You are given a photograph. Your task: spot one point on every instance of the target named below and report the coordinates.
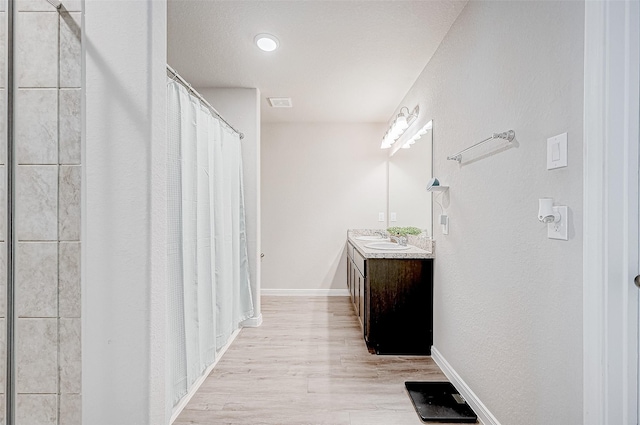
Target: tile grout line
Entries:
(59, 371)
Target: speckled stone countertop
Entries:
(421, 247)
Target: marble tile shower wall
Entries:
(48, 154)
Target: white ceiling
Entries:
(339, 61)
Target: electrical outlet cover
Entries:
(444, 221)
(560, 230)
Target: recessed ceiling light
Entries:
(266, 42)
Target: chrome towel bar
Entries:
(507, 135)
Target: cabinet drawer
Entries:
(359, 262)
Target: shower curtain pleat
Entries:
(234, 296)
(208, 268)
(188, 135)
(206, 258)
(175, 303)
(244, 297)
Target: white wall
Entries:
(124, 213)
(241, 108)
(507, 300)
(318, 180)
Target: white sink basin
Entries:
(371, 238)
(386, 246)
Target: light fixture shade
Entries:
(385, 142)
(401, 122)
(394, 132)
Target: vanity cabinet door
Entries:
(354, 287)
(351, 282)
(361, 299)
(358, 281)
(358, 284)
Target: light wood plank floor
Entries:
(307, 365)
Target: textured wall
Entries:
(318, 180)
(125, 214)
(508, 301)
(47, 138)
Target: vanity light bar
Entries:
(399, 125)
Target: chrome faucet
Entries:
(400, 240)
(382, 234)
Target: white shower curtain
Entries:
(209, 294)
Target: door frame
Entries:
(610, 229)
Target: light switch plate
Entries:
(557, 151)
(380, 216)
(560, 229)
(393, 217)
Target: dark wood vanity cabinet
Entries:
(393, 298)
(399, 312)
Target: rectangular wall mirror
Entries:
(409, 171)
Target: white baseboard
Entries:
(305, 292)
(196, 385)
(252, 322)
(484, 415)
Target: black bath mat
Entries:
(439, 402)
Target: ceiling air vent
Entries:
(280, 102)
